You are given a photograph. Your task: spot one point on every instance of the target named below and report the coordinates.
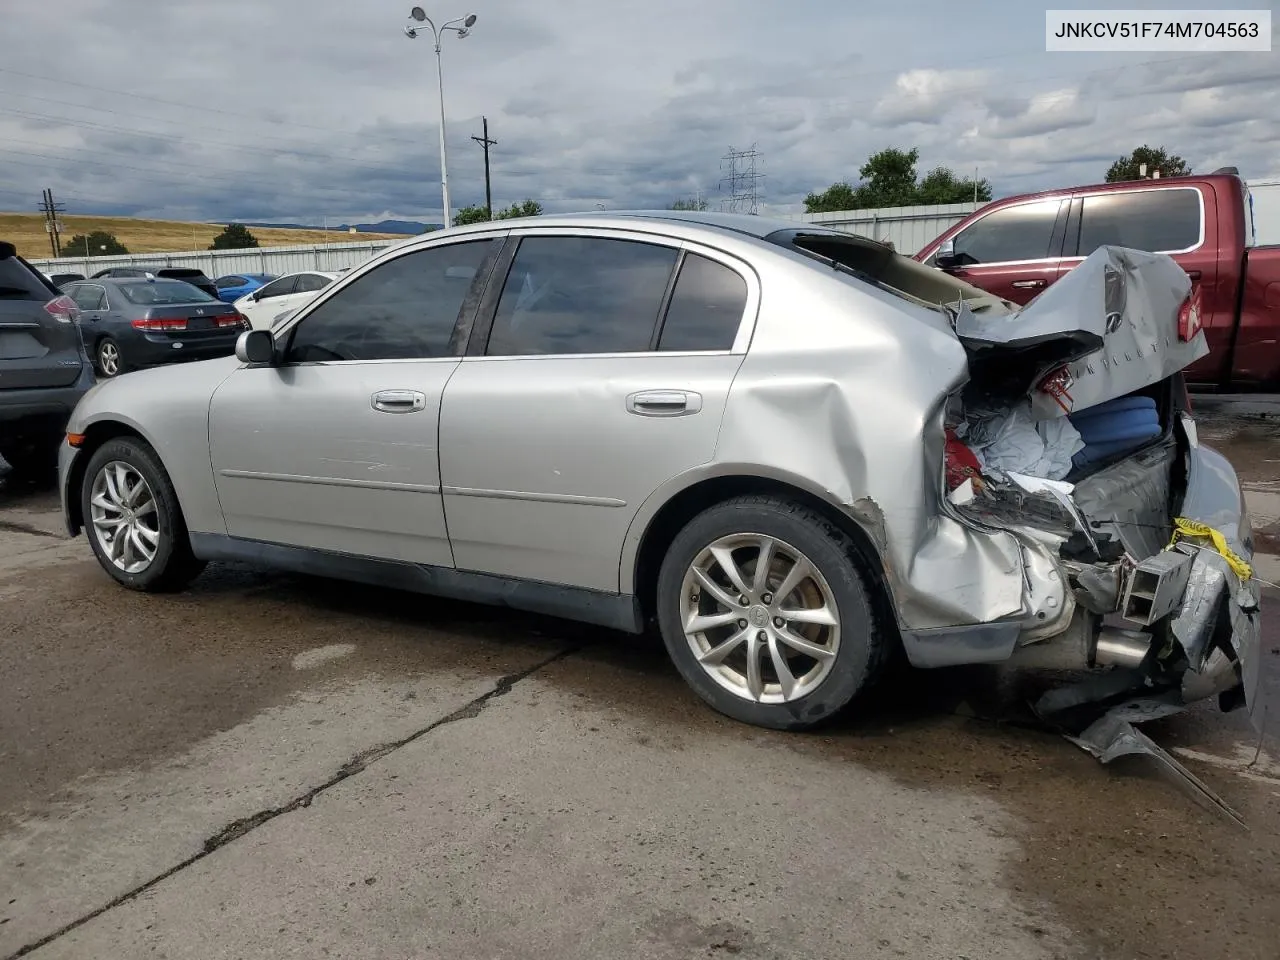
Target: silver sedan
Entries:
(761, 437)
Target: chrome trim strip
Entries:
(331, 481)
(571, 498)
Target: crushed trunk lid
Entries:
(1120, 321)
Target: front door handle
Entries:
(399, 401)
(1193, 274)
(1029, 284)
(664, 403)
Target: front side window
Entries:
(277, 288)
(403, 309)
(1157, 221)
(1024, 232)
(575, 295)
(706, 307)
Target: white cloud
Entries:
(1043, 114)
(927, 95)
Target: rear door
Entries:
(1164, 219)
(604, 373)
(37, 348)
(1013, 251)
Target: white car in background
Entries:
(284, 295)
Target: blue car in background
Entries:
(235, 285)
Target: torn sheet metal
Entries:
(1113, 320)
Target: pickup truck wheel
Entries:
(766, 613)
(133, 519)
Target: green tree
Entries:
(526, 208)
(838, 196)
(235, 236)
(691, 203)
(888, 179)
(1156, 158)
(940, 185)
(96, 244)
(472, 214)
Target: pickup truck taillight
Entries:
(63, 309)
(164, 323)
(1189, 316)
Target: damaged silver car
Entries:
(792, 449)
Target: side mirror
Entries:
(256, 346)
(256, 295)
(945, 256)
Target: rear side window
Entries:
(404, 309)
(575, 295)
(90, 297)
(224, 283)
(1158, 221)
(311, 281)
(19, 282)
(706, 307)
(1024, 232)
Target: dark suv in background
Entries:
(44, 370)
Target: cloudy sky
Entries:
(301, 109)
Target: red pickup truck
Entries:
(1017, 246)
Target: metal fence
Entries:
(220, 263)
(908, 228)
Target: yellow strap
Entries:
(1182, 527)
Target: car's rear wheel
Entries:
(133, 519)
(765, 611)
(108, 359)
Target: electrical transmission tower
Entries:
(742, 181)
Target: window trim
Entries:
(284, 335)
(497, 280)
(1082, 196)
(1053, 233)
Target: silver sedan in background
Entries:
(740, 431)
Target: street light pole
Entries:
(419, 15)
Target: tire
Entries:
(153, 514)
(32, 458)
(108, 360)
(854, 652)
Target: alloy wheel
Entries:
(124, 516)
(760, 618)
(109, 359)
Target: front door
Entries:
(335, 446)
(1012, 251)
(599, 380)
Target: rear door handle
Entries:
(664, 403)
(1029, 284)
(399, 401)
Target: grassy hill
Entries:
(26, 232)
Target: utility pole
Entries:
(51, 223)
(486, 143)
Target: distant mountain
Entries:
(408, 227)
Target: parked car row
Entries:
(773, 443)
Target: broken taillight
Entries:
(1057, 384)
(1189, 317)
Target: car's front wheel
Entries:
(133, 519)
(766, 613)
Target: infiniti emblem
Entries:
(758, 616)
